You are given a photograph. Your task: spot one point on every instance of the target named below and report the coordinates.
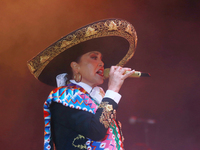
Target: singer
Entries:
(78, 114)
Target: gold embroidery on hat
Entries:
(105, 28)
(112, 26)
(43, 58)
(90, 31)
(65, 43)
(31, 67)
(129, 29)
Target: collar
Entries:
(97, 93)
(83, 85)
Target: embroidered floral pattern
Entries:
(107, 115)
(79, 137)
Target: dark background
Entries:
(168, 48)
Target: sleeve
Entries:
(113, 95)
(93, 126)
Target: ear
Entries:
(75, 67)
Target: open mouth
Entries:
(100, 72)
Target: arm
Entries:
(93, 126)
(90, 125)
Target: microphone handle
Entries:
(136, 74)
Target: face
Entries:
(90, 67)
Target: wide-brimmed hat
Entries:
(116, 39)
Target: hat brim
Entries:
(116, 39)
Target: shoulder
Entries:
(71, 96)
(59, 89)
(70, 89)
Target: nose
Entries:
(101, 64)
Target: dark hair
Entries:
(70, 74)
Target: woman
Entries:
(79, 115)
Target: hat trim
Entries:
(110, 27)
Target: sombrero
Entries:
(116, 39)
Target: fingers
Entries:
(124, 72)
(117, 76)
(128, 73)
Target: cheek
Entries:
(88, 70)
(90, 66)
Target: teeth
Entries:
(99, 71)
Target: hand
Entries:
(117, 76)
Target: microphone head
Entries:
(145, 74)
(106, 73)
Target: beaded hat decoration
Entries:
(116, 39)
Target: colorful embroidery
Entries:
(79, 146)
(76, 97)
(107, 114)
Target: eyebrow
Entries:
(97, 53)
(94, 52)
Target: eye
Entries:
(94, 57)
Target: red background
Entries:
(168, 48)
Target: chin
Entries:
(101, 82)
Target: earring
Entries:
(77, 77)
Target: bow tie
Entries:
(97, 94)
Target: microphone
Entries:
(133, 120)
(136, 74)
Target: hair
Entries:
(70, 74)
